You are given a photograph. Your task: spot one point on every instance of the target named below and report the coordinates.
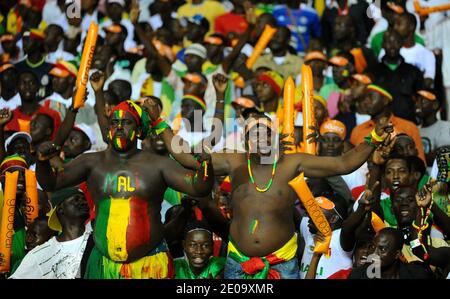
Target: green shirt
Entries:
(183, 271)
(376, 44)
(327, 89)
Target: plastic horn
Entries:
(288, 105)
(85, 65)
(32, 203)
(314, 211)
(262, 43)
(7, 225)
(308, 109)
(423, 11)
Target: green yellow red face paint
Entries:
(121, 142)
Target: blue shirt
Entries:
(304, 22)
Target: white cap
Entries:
(120, 2)
(247, 50)
(88, 131)
(196, 49)
(16, 136)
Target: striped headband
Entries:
(273, 79)
(13, 161)
(140, 116)
(378, 89)
(196, 99)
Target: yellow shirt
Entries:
(209, 9)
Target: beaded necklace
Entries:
(252, 179)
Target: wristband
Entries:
(376, 137)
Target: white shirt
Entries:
(12, 104)
(59, 54)
(435, 136)
(338, 260)
(356, 178)
(54, 259)
(420, 57)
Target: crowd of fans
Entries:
(161, 173)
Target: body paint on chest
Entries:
(120, 183)
(253, 226)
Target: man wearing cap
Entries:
(64, 75)
(331, 143)
(435, 132)
(60, 257)
(262, 238)
(377, 102)
(9, 97)
(267, 88)
(279, 59)
(34, 61)
(191, 130)
(11, 52)
(115, 11)
(342, 69)
(337, 263)
(127, 186)
(209, 9)
(390, 10)
(318, 63)
(197, 28)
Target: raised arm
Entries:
(315, 166)
(66, 126)
(71, 174)
(163, 64)
(196, 184)
(220, 85)
(185, 158)
(97, 82)
(351, 224)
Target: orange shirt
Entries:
(400, 126)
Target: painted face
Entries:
(198, 247)
(331, 145)
(38, 233)
(404, 206)
(396, 173)
(122, 131)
